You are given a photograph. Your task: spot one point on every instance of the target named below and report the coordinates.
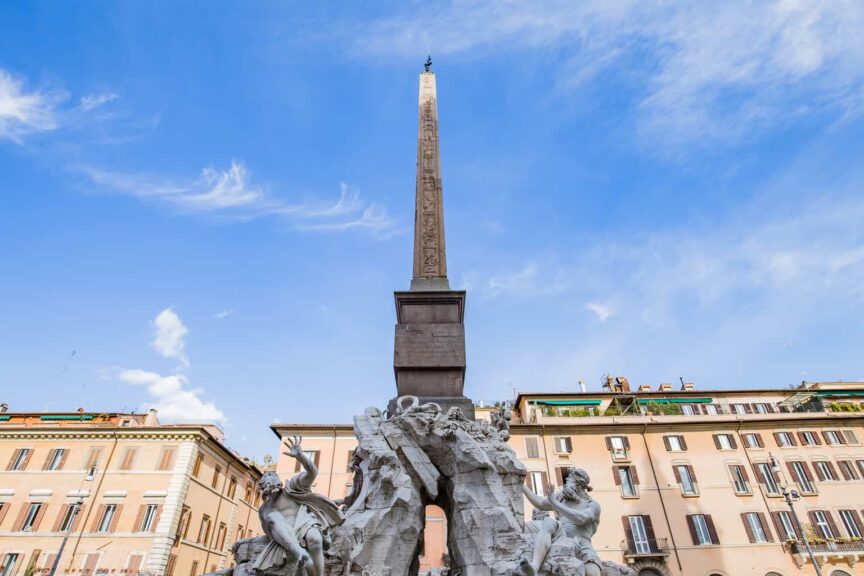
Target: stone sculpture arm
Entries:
(537, 501)
(306, 476)
(578, 517)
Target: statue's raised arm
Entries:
(309, 472)
(539, 502)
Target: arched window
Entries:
(840, 573)
(773, 574)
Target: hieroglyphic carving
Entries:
(429, 255)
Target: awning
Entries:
(66, 417)
(796, 399)
(5, 418)
(840, 393)
(567, 402)
(674, 400)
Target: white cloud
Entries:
(169, 336)
(230, 194)
(707, 69)
(601, 311)
(93, 101)
(223, 313)
(173, 398)
(24, 112)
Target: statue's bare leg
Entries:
(284, 535)
(315, 547)
(542, 544)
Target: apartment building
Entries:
(133, 496)
(691, 482)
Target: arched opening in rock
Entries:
(433, 547)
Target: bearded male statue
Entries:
(296, 521)
(578, 515)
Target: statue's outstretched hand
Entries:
(294, 448)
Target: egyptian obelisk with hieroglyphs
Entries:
(429, 355)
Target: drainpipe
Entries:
(662, 502)
(332, 462)
(216, 518)
(752, 469)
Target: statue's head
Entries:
(578, 482)
(270, 483)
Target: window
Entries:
(128, 460)
(19, 460)
(823, 524)
(757, 530)
(784, 439)
(710, 409)
(685, 478)
(832, 437)
(531, 448)
(619, 446)
(785, 526)
(247, 493)
(825, 471)
(753, 441)
(232, 487)
(626, 477)
(107, 520)
(149, 512)
(767, 478)
(847, 470)
(172, 564)
(134, 563)
(638, 534)
(166, 459)
(194, 570)
(217, 470)
(56, 459)
(851, 523)
(860, 464)
(204, 530)
(240, 530)
(183, 525)
(30, 522)
(199, 460)
(740, 408)
(7, 567)
(67, 518)
(801, 475)
(675, 443)
(537, 482)
(724, 442)
(313, 455)
(563, 444)
(94, 457)
(220, 536)
(809, 439)
(849, 436)
(702, 529)
(762, 408)
(740, 480)
(687, 410)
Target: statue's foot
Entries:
(526, 568)
(303, 561)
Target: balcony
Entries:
(650, 548)
(829, 551)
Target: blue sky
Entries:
(211, 203)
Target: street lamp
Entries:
(76, 507)
(791, 496)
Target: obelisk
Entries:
(429, 353)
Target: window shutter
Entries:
(817, 439)
(845, 469)
(530, 448)
(100, 511)
(825, 436)
(39, 515)
(812, 516)
(757, 475)
(63, 459)
(649, 531)
(743, 472)
(732, 442)
(569, 443)
(677, 473)
(692, 526)
(830, 518)
(792, 440)
(716, 441)
(819, 473)
(850, 437)
(748, 408)
(156, 517)
(78, 516)
(759, 441)
(4, 508)
(692, 473)
(27, 459)
(545, 479)
(616, 475)
(711, 529)
(608, 447)
(765, 527)
(750, 536)
(666, 443)
(48, 458)
(802, 438)
(635, 475)
(315, 457)
(791, 470)
(626, 441)
(856, 519)
(115, 518)
(778, 525)
(559, 475)
(60, 517)
(683, 442)
(139, 518)
(19, 522)
(777, 439)
(628, 533)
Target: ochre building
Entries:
(134, 496)
(691, 482)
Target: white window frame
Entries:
(849, 523)
(688, 486)
(10, 559)
(640, 535)
(785, 439)
(675, 443)
(756, 528)
(787, 525)
(619, 452)
(832, 437)
(30, 517)
(725, 441)
(760, 408)
(536, 482)
(148, 517)
(68, 517)
(767, 475)
(751, 440)
(20, 458)
(710, 409)
(628, 486)
(801, 477)
(740, 485)
(687, 410)
(56, 459)
(809, 438)
(702, 532)
(823, 525)
(107, 517)
(826, 470)
(739, 409)
(561, 445)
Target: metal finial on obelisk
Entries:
(430, 261)
(428, 63)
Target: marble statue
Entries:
(545, 531)
(295, 520)
(578, 513)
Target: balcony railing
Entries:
(643, 548)
(830, 547)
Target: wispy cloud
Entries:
(169, 336)
(25, 111)
(173, 397)
(231, 194)
(94, 101)
(223, 313)
(701, 69)
(600, 311)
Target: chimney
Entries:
(582, 387)
(687, 387)
(645, 388)
(151, 419)
(4, 408)
(665, 387)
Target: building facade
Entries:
(134, 496)
(691, 482)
